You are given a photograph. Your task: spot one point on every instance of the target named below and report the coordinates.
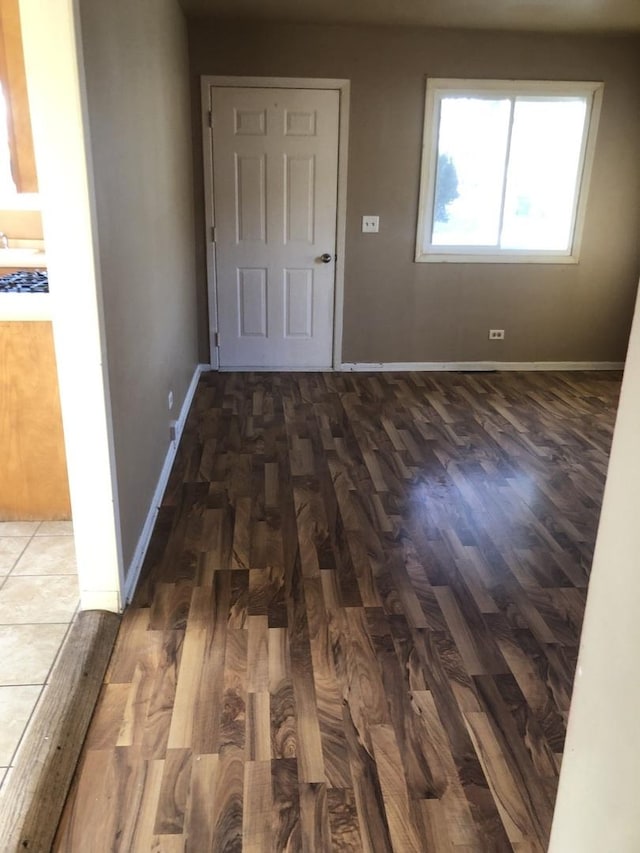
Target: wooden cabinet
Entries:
(33, 467)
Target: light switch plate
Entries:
(370, 224)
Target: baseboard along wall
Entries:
(133, 572)
(416, 366)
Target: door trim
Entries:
(343, 87)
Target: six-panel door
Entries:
(275, 171)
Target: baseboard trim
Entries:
(100, 599)
(289, 369)
(416, 366)
(135, 567)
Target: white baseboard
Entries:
(400, 366)
(289, 369)
(100, 599)
(135, 567)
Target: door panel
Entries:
(252, 303)
(275, 172)
(299, 199)
(299, 303)
(251, 199)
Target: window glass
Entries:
(472, 143)
(546, 144)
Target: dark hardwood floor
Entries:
(358, 620)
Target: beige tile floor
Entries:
(38, 600)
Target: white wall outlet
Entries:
(496, 334)
(173, 430)
(170, 400)
(370, 224)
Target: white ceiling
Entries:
(543, 15)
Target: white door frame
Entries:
(343, 87)
(59, 115)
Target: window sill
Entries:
(441, 258)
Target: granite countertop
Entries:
(25, 281)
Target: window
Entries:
(505, 170)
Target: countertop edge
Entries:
(25, 306)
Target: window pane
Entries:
(472, 142)
(546, 143)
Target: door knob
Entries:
(326, 258)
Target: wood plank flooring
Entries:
(358, 620)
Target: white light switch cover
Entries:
(370, 224)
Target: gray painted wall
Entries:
(140, 127)
(395, 309)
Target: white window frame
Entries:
(437, 88)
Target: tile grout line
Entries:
(19, 557)
(34, 537)
(45, 575)
(26, 725)
(64, 640)
(33, 624)
(15, 562)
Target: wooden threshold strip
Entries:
(34, 794)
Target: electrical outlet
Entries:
(173, 430)
(170, 400)
(370, 224)
(496, 334)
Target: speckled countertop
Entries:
(24, 281)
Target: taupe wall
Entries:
(140, 126)
(395, 309)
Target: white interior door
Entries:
(275, 174)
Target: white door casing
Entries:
(273, 170)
